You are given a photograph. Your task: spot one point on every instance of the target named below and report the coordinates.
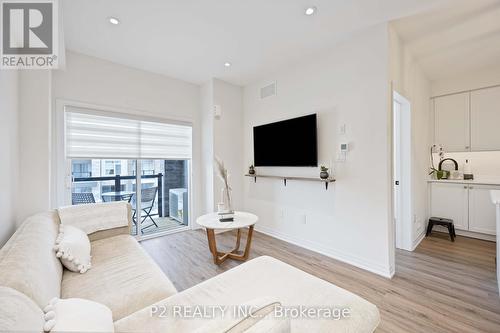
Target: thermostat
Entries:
(342, 155)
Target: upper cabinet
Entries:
(485, 119)
(468, 121)
(451, 122)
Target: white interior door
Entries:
(402, 182)
(397, 174)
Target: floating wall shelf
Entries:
(285, 178)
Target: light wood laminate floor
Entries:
(440, 287)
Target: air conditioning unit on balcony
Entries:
(178, 204)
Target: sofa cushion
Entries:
(271, 324)
(255, 316)
(123, 277)
(18, 312)
(260, 277)
(28, 263)
(96, 217)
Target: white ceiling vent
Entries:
(268, 90)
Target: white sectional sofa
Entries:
(125, 279)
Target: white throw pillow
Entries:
(73, 248)
(77, 315)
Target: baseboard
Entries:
(329, 252)
(392, 272)
(417, 241)
(465, 233)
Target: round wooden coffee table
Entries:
(241, 220)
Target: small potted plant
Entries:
(440, 174)
(251, 170)
(324, 172)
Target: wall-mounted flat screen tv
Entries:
(291, 142)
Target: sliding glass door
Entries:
(164, 196)
(144, 163)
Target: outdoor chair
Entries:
(148, 196)
(82, 198)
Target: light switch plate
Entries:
(217, 111)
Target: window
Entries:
(112, 167)
(94, 135)
(81, 168)
(148, 167)
(106, 152)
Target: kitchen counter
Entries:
(476, 181)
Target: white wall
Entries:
(91, 80)
(222, 137)
(8, 153)
(346, 85)
(34, 142)
(228, 139)
(409, 80)
(207, 146)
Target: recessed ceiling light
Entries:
(113, 20)
(227, 64)
(310, 10)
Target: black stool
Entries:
(448, 223)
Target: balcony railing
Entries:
(118, 180)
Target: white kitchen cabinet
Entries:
(451, 122)
(451, 201)
(484, 119)
(482, 212)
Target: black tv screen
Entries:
(291, 142)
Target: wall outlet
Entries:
(303, 219)
(282, 214)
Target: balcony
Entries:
(164, 206)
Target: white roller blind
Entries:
(94, 135)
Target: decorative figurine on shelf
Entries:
(251, 170)
(225, 208)
(324, 172)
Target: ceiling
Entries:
(454, 39)
(192, 39)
